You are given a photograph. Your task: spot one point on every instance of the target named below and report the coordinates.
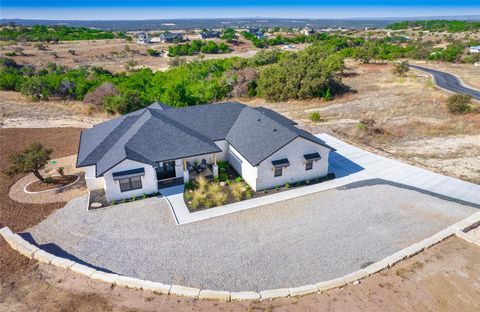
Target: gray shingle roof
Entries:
(159, 133)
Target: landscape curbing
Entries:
(214, 295)
(274, 293)
(31, 251)
(244, 295)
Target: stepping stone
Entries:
(96, 205)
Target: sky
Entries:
(157, 9)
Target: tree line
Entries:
(437, 25)
(41, 33)
(196, 46)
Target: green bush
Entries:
(314, 116)
(459, 103)
(223, 177)
(153, 52)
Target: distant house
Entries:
(307, 31)
(143, 38)
(143, 151)
(209, 34)
(474, 49)
(169, 37)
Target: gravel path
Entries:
(295, 242)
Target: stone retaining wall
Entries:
(33, 252)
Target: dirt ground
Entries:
(442, 278)
(409, 112)
(18, 111)
(109, 54)
(430, 281)
(19, 216)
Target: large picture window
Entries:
(129, 184)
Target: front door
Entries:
(166, 170)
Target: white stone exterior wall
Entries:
(112, 187)
(93, 183)
(243, 167)
(294, 151)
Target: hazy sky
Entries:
(150, 9)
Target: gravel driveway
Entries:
(295, 242)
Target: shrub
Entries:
(400, 69)
(153, 52)
(32, 159)
(314, 116)
(10, 54)
(218, 198)
(202, 183)
(287, 185)
(213, 188)
(97, 96)
(190, 185)
(459, 103)
(238, 179)
(222, 164)
(48, 180)
(144, 195)
(113, 202)
(223, 177)
(248, 195)
(237, 189)
(134, 198)
(124, 201)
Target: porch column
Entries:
(214, 166)
(186, 174)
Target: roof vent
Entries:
(259, 119)
(274, 130)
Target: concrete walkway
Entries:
(350, 164)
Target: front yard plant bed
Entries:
(51, 183)
(201, 194)
(97, 199)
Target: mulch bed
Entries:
(63, 141)
(57, 181)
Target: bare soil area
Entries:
(64, 141)
(18, 111)
(110, 54)
(439, 279)
(409, 120)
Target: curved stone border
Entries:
(57, 188)
(33, 252)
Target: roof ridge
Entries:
(159, 115)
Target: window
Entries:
(278, 172)
(129, 184)
(308, 165)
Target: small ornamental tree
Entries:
(32, 159)
(401, 69)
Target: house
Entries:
(307, 31)
(141, 152)
(169, 37)
(474, 49)
(257, 32)
(143, 38)
(209, 34)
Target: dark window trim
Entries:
(308, 165)
(130, 187)
(275, 175)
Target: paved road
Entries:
(449, 82)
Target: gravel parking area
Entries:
(295, 242)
